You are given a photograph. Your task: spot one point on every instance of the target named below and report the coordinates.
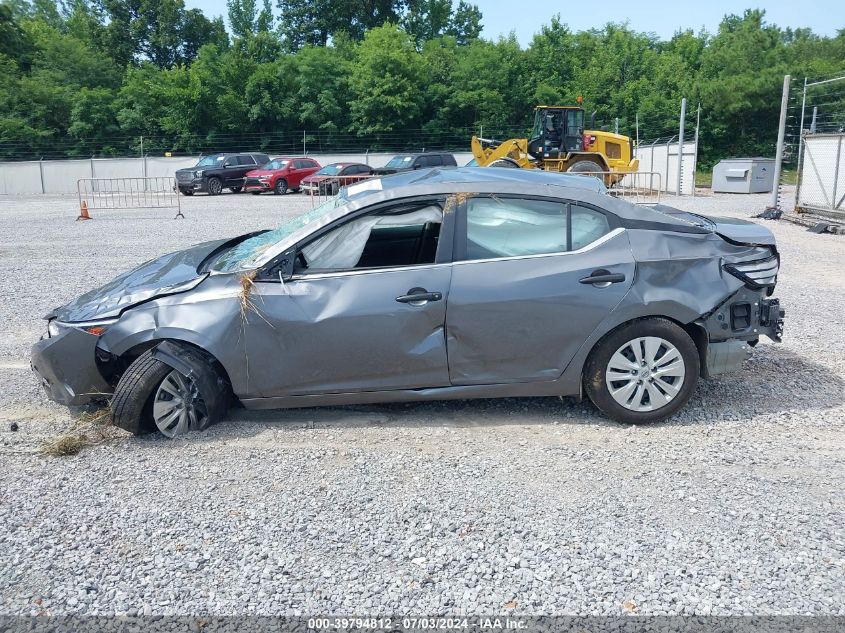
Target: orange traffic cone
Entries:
(83, 211)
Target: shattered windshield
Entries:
(247, 253)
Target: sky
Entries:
(525, 17)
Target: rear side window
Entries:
(246, 160)
(588, 225)
(429, 161)
(448, 159)
(513, 227)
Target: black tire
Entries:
(132, 403)
(214, 186)
(507, 163)
(281, 187)
(595, 382)
(585, 167)
(235, 189)
(255, 193)
(187, 192)
(131, 406)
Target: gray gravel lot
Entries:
(735, 506)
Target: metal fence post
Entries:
(668, 144)
(41, 172)
(695, 155)
(681, 143)
(784, 102)
(836, 173)
(801, 141)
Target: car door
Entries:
(298, 171)
(535, 277)
(229, 170)
(342, 329)
(245, 163)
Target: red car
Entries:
(332, 177)
(280, 174)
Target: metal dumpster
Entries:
(744, 175)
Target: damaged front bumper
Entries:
(65, 363)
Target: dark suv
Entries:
(218, 171)
(405, 162)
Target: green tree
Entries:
(317, 21)
(386, 82)
(15, 43)
(465, 23)
(160, 31)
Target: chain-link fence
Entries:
(812, 176)
(820, 186)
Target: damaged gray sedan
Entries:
(436, 284)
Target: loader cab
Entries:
(558, 131)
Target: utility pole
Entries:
(681, 144)
(784, 102)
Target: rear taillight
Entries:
(757, 273)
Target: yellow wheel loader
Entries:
(559, 143)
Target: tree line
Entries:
(117, 77)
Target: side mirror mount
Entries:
(280, 268)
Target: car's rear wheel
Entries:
(151, 395)
(645, 371)
(281, 187)
(215, 187)
(235, 189)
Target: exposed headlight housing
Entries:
(96, 328)
(757, 273)
(198, 173)
(53, 328)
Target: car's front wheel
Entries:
(645, 371)
(151, 396)
(281, 187)
(215, 186)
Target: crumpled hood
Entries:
(168, 274)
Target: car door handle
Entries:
(602, 278)
(419, 296)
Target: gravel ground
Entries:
(538, 506)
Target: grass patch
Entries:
(89, 429)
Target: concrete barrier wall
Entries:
(20, 178)
(60, 176)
